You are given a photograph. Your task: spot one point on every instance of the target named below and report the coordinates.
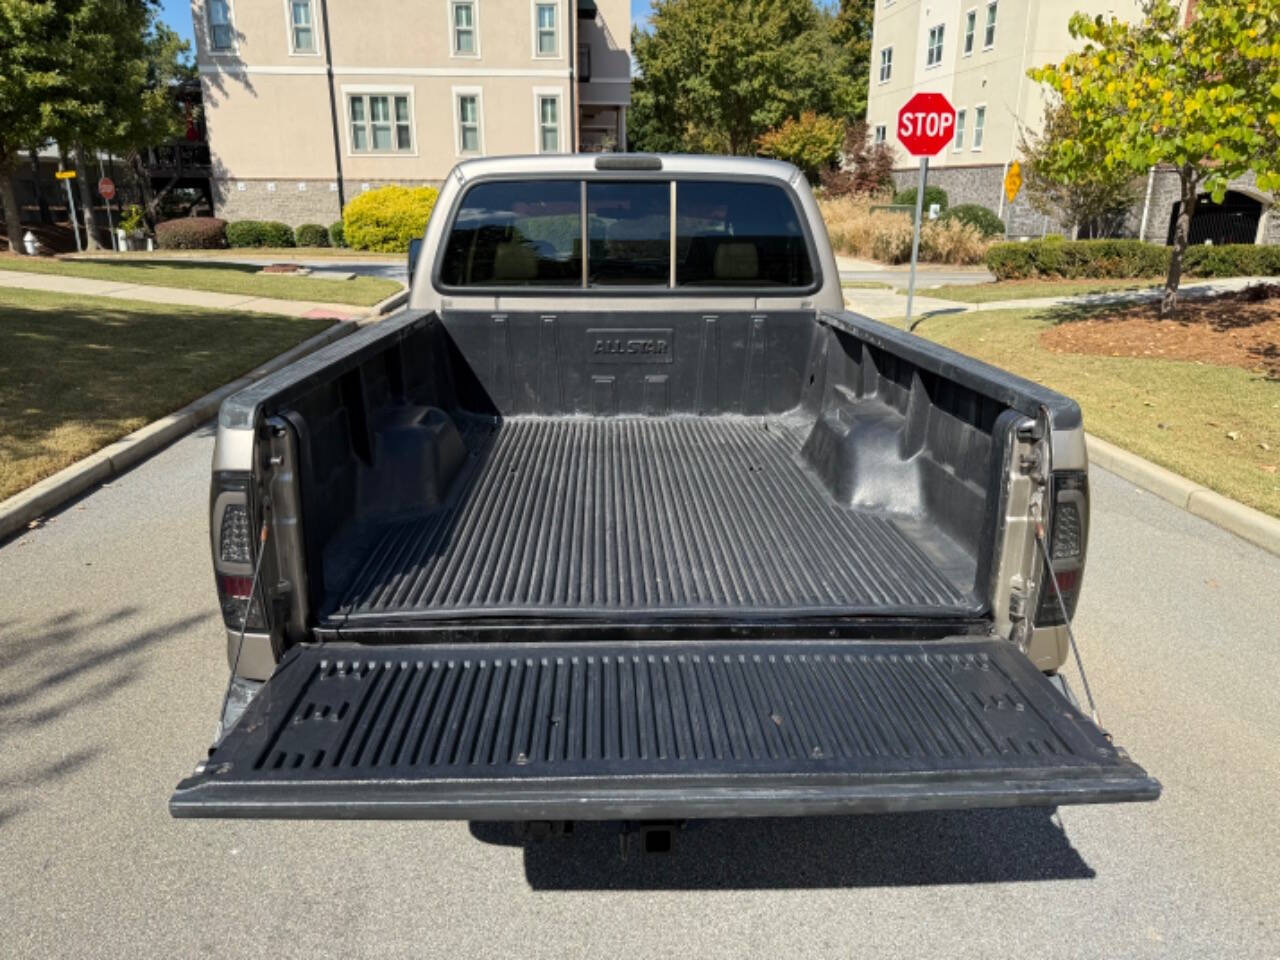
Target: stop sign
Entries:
(106, 188)
(926, 123)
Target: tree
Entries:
(812, 142)
(1202, 96)
(119, 64)
(1095, 201)
(713, 75)
(28, 77)
(867, 168)
(852, 31)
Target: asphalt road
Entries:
(112, 659)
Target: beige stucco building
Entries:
(308, 102)
(977, 53)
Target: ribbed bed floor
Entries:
(655, 516)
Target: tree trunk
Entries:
(12, 212)
(86, 200)
(46, 217)
(1181, 235)
(150, 202)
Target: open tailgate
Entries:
(656, 730)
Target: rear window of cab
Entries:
(645, 233)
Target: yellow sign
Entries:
(1013, 180)
(65, 174)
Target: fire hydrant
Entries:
(30, 243)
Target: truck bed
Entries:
(666, 516)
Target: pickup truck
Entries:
(625, 517)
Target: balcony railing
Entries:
(182, 157)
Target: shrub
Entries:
(857, 230)
(1077, 258)
(386, 219)
(192, 233)
(867, 168)
(259, 233)
(981, 218)
(812, 143)
(932, 195)
(950, 241)
(312, 235)
(891, 235)
(1232, 260)
(132, 220)
(336, 237)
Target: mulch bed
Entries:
(1240, 329)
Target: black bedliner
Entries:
(656, 730)
(652, 517)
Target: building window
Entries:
(302, 32)
(970, 28)
(933, 56)
(380, 123)
(958, 144)
(546, 43)
(548, 124)
(221, 36)
(584, 62)
(463, 21)
(979, 121)
(469, 123)
(989, 38)
(886, 64)
(880, 133)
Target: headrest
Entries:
(736, 260)
(514, 260)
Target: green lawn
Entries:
(1026, 289)
(77, 373)
(275, 253)
(1126, 399)
(865, 285)
(219, 278)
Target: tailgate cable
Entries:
(1066, 619)
(244, 620)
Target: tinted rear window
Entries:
(516, 234)
(738, 234)
(523, 233)
(629, 233)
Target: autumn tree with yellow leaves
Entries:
(1201, 95)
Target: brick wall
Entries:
(983, 185)
(294, 202)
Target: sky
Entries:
(177, 14)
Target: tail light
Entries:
(1068, 531)
(232, 531)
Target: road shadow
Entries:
(66, 671)
(976, 846)
(59, 666)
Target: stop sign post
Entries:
(926, 123)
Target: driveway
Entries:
(112, 657)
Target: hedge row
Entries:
(192, 233)
(385, 220)
(1125, 258)
(259, 233)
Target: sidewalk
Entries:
(177, 295)
(890, 304)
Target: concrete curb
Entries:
(383, 307)
(1245, 522)
(113, 459)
